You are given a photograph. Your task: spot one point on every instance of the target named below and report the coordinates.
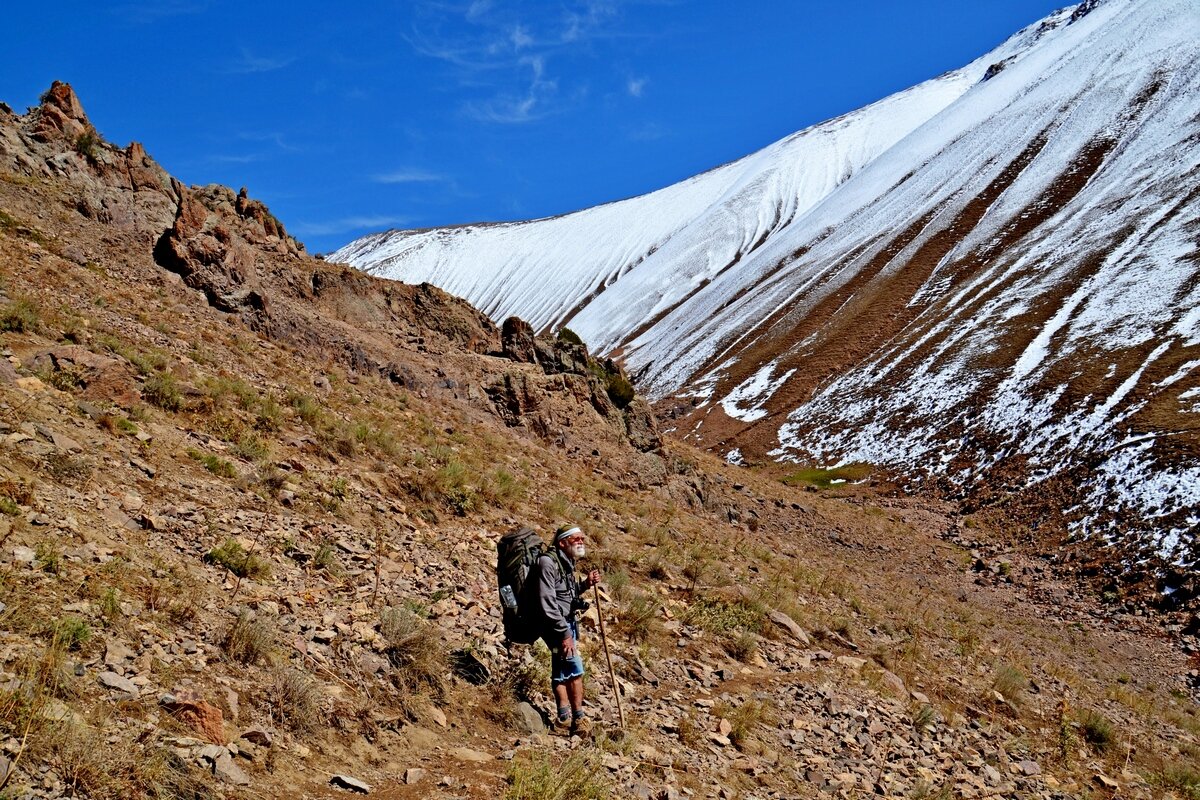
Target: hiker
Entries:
(560, 597)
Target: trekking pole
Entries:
(612, 676)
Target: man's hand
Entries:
(593, 578)
(568, 647)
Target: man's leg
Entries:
(580, 724)
(574, 692)
(562, 699)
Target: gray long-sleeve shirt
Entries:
(557, 590)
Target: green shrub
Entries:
(110, 606)
(251, 448)
(87, 144)
(745, 720)
(9, 507)
(923, 716)
(20, 316)
(825, 478)
(620, 390)
(718, 615)
(1096, 729)
(145, 363)
(238, 560)
(339, 488)
(48, 558)
(1183, 778)
(223, 387)
(162, 390)
(639, 618)
(72, 633)
(294, 700)
(326, 559)
(306, 408)
(65, 380)
(502, 489)
(569, 336)
(270, 414)
(539, 776)
(743, 647)
(214, 464)
(617, 581)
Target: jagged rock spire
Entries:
(61, 113)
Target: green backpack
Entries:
(517, 555)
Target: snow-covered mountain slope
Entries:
(991, 280)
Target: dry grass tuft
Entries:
(1011, 683)
(248, 640)
(639, 618)
(293, 699)
(417, 651)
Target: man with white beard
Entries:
(560, 597)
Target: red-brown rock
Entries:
(198, 714)
(61, 113)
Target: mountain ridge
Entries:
(968, 304)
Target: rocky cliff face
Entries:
(230, 248)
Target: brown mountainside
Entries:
(248, 506)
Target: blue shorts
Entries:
(565, 669)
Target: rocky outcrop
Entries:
(568, 370)
(99, 378)
(61, 114)
(209, 257)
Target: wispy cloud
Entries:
(409, 175)
(333, 227)
(520, 38)
(636, 86)
(648, 132)
(273, 138)
(477, 9)
(147, 13)
(534, 103)
(515, 60)
(248, 63)
(235, 159)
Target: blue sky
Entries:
(354, 117)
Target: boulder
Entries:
(144, 172)
(119, 683)
(896, 684)
(467, 754)
(787, 623)
(258, 736)
(517, 341)
(528, 720)
(350, 784)
(226, 771)
(853, 662)
(197, 714)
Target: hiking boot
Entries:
(581, 726)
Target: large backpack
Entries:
(517, 555)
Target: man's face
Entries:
(569, 544)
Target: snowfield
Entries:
(997, 267)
